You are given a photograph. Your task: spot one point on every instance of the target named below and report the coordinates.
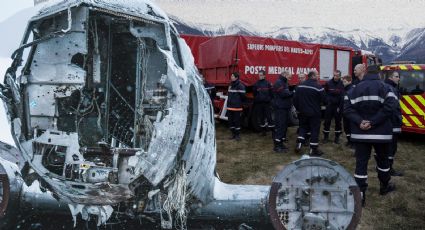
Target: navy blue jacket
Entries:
(334, 92)
(309, 97)
(262, 91)
(235, 95)
(396, 118)
(347, 88)
(370, 100)
(282, 97)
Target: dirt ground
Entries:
(252, 161)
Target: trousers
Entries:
(363, 151)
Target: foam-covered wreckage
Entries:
(109, 114)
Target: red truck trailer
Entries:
(217, 57)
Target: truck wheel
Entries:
(293, 117)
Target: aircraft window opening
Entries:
(201, 129)
(79, 60)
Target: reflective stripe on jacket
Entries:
(309, 97)
(370, 100)
(235, 95)
(282, 97)
(262, 91)
(396, 118)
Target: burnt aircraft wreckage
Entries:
(111, 122)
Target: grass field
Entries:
(252, 161)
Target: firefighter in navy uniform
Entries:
(301, 78)
(396, 120)
(369, 107)
(359, 72)
(282, 103)
(235, 97)
(335, 98)
(347, 82)
(308, 100)
(262, 98)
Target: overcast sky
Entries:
(10, 7)
(266, 15)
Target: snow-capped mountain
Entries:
(414, 49)
(390, 44)
(396, 43)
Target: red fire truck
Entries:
(412, 89)
(217, 57)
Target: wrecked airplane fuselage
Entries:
(110, 115)
(105, 109)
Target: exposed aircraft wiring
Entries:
(177, 198)
(125, 101)
(79, 117)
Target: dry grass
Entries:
(252, 161)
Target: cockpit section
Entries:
(95, 82)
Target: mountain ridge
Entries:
(389, 44)
(392, 44)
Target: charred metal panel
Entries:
(53, 75)
(160, 158)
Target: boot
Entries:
(283, 146)
(394, 172)
(237, 135)
(316, 152)
(277, 146)
(325, 137)
(307, 139)
(233, 134)
(336, 141)
(298, 147)
(386, 188)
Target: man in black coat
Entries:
(235, 98)
(335, 97)
(308, 99)
(369, 107)
(262, 97)
(282, 103)
(396, 119)
(301, 78)
(347, 82)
